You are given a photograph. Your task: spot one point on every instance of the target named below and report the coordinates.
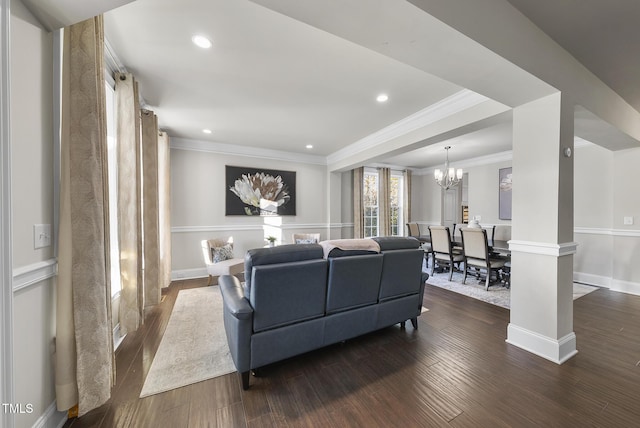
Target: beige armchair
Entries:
(219, 258)
(308, 238)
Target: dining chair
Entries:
(477, 255)
(443, 251)
(413, 230)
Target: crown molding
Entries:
(453, 104)
(247, 151)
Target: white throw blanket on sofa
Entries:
(365, 244)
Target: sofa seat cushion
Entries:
(287, 293)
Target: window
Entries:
(112, 167)
(395, 203)
(370, 204)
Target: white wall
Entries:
(605, 192)
(32, 190)
(425, 201)
(198, 192)
(593, 214)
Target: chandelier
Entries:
(449, 177)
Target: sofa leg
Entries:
(210, 280)
(245, 379)
(414, 323)
(403, 324)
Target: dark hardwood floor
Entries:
(454, 371)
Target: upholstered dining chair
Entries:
(443, 251)
(306, 238)
(413, 230)
(477, 255)
(219, 258)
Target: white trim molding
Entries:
(628, 233)
(591, 279)
(51, 418)
(26, 276)
(625, 286)
(7, 387)
(543, 248)
(446, 107)
(181, 274)
(556, 350)
(257, 227)
(254, 152)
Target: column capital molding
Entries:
(543, 248)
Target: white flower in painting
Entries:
(506, 184)
(262, 191)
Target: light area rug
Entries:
(496, 295)
(194, 346)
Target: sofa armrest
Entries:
(238, 322)
(233, 297)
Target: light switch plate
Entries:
(628, 221)
(41, 235)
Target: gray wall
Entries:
(198, 206)
(32, 189)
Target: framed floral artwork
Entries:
(261, 192)
(504, 189)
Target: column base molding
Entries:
(556, 350)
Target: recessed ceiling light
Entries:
(206, 131)
(309, 146)
(201, 41)
(382, 98)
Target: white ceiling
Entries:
(271, 82)
(268, 81)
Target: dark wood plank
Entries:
(456, 370)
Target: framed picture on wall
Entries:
(258, 191)
(504, 195)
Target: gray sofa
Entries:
(296, 300)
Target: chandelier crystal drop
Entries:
(449, 177)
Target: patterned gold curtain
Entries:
(131, 314)
(85, 367)
(358, 208)
(150, 200)
(384, 205)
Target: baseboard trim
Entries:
(625, 286)
(51, 418)
(180, 274)
(612, 284)
(591, 279)
(555, 350)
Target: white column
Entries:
(542, 229)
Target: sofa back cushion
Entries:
(388, 243)
(401, 273)
(353, 281)
(286, 293)
(275, 255)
